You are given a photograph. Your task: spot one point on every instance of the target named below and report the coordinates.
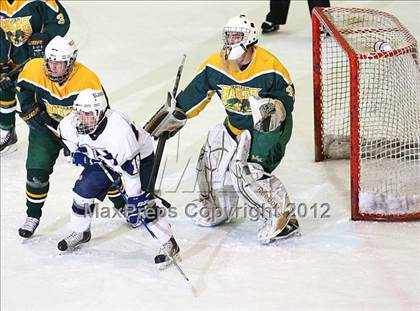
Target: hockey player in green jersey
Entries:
(47, 88)
(26, 27)
(239, 155)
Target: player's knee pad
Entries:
(261, 191)
(217, 195)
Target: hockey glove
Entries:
(81, 159)
(136, 206)
(166, 119)
(37, 118)
(5, 81)
(267, 113)
(36, 45)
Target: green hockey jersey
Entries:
(264, 76)
(56, 99)
(19, 20)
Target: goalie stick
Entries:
(164, 137)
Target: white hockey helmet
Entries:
(239, 24)
(89, 107)
(60, 49)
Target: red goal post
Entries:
(367, 108)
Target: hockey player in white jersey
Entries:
(100, 138)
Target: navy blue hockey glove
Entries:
(5, 81)
(36, 45)
(81, 159)
(136, 205)
(37, 118)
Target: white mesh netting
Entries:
(388, 103)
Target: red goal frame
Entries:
(319, 18)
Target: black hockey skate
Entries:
(29, 227)
(268, 27)
(7, 139)
(74, 240)
(171, 248)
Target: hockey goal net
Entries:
(367, 108)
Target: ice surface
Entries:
(336, 264)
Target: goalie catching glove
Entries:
(169, 118)
(267, 113)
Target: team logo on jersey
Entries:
(290, 89)
(57, 112)
(235, 97)
(17, 29)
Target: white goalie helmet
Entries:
(59, 49)
(248, 36)
(89, 110)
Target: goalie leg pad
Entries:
(261, 191)
(218, 198)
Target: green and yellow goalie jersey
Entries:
(265, 76)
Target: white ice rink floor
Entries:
(336, 264)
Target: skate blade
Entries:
(70, 250)
(167, 264)
(295, 233)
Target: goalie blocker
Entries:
(168, 119)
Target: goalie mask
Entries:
(60, 55)
(89, 110)
(238, 35)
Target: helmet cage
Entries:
(60, 49)
(239, 24)
(89, 111)
(62, 78)
(86, 122)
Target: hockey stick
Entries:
(16, 70)
(116, 186)
(60, 140)
(164, 137)
(114, 183)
